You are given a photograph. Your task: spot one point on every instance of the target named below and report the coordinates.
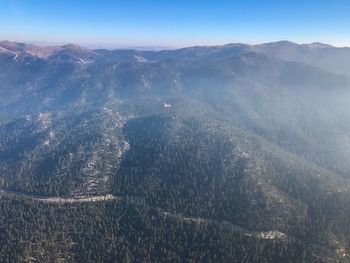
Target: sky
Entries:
(174, 23)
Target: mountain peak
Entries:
(12, 46)
(72, 46)
(279, 43)
(41, 51)
(319, 45)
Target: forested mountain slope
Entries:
(214, 154)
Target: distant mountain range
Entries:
(233, 153)
(317, 54)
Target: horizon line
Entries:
(156, 47)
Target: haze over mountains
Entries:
(233, 153)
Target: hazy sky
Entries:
(175, 22)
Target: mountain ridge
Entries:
(327, 57)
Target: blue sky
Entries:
(117, 23)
